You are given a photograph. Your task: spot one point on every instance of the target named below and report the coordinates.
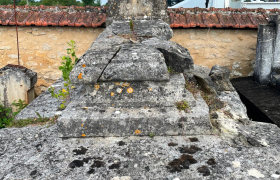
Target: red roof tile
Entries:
(90, 16)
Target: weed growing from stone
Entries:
(20, 105)
(170, 69)
(67, 64)
(183, 106)
(152, 135)
(36, 121)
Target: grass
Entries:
(33, 121)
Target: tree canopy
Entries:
(53, 2)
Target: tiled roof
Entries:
(219, 18)
(90, 16)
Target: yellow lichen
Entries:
(113, 104)
(82, 125)
(137, 132)
(125, 84)
(112, 94)
(150, 89)
(117, 84)
(83, 65)
(101, 125)
(130, 90)
(97, 86)
(80, 76)
(85, 107)
(83, 135)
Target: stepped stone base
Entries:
(108, 109)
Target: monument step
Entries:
(162, 121)
(137, 94)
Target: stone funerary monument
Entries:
(128, 86)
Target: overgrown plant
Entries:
(6, 116)
(183, 106)
(67, 64)
(20, 105)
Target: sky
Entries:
(103, 2)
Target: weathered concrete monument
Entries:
(128, 86)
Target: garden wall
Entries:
(42, 47)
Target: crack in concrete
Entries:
(109, 63)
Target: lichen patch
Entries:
(130, 90)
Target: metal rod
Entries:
(16, 30)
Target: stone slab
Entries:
(136, 62)
(176, 56)
(151, 107)
(145, 94)
(38, 153)
(91, 65)
(137, 10)
(144, 28)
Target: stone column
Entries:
(120, 10)
(264, 54)
(275, 19)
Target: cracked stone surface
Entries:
(38, 153)
(136, 63)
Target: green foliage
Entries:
(183, 106)
(152, 135)
(6, 116)
(22, 3)
(20, 105)
(67, 64)
(6, 2)
(171, 70)
(131, 25)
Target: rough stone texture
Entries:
(109, 110)
(136, 10)
(92, 64)
(37, 153)
(201, 75)
(136, 63)
(150, 28)
(20, 78)
(175, 55)
(220, 78)
(264, 55)
(46, 105)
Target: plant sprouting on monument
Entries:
(67, 64)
